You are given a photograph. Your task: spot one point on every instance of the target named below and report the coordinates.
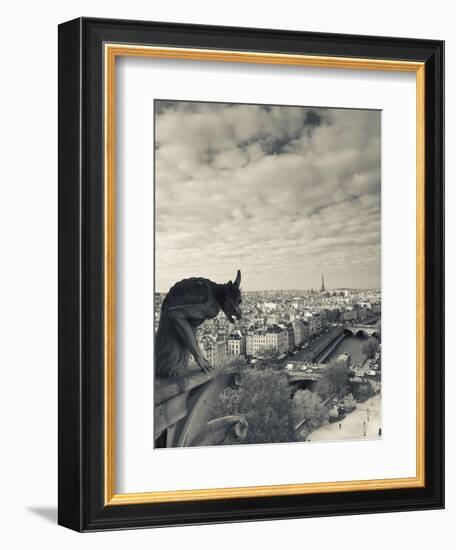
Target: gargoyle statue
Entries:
(186, 306)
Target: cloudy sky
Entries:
(282, 193)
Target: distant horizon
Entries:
(295, 289)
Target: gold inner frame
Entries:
(111, 52)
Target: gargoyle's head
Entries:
(231, 300)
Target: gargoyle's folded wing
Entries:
(187, 292)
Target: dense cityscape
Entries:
(311, 361)
(282, 321)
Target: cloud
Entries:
(283, 193)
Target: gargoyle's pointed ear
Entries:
(237, 282)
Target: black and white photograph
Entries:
(267, 274)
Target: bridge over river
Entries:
(297, 377)
(348, 339)
(320, 350)
(362, 330)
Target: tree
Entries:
(236, 362)
(333, 381)
(264, 399)
(308, 412)
(378, 327)
(269, 358)
(333, 315)
(362, 390)
(370, 347)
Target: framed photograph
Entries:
(251, 316)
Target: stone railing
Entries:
(183, 406)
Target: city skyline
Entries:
(282, 193)
(308, 289)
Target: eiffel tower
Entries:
(323, 289)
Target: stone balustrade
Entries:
(183, 406)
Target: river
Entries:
(352, 345)
(349, 344)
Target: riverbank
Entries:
(363, 423)
(319, 345)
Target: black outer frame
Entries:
(81, 472)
